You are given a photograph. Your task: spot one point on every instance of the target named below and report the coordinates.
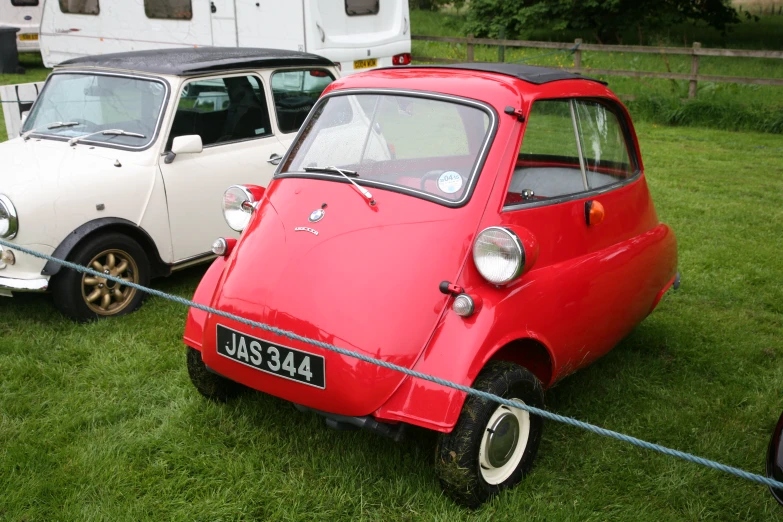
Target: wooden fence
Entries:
(578, 47)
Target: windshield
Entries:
(424, 146)
(94, 103)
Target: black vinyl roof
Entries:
(528, 73)
(186, 61)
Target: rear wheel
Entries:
(493, 446)
(212, 386)
(84, 297)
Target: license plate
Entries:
(363, 64)
(28, 36)
(288, 363)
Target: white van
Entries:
(26, 15)
(355, 34)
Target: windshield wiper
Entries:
(110, 132)
(347, 175)
(50, 126)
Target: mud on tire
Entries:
(458, 454)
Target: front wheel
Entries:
(493, 446)
(84, 297)
(212, 386)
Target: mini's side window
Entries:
(295, 93)
(222, 110)
(569, 146)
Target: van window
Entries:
(87, 7)
(169, 9)
(24, 3)
(295, 93)
(553, 163)
(222, 110)
(362, 7)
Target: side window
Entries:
(295, 93)
(569, 146)
(87, 7)
(603, 144)
(362, 7)
(169, 9)
(222, 110)
(24, 3)
(548, 162)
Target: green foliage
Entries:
(604, 18)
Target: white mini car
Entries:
(124, 157)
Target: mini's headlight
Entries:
(498, 255)
(237, 207)
(9, 224)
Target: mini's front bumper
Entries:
(8, 285)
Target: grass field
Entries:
(100, 422)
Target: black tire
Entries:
(68, 286)
(212, 386)
(458, 452)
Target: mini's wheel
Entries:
(492, 446)
(83, 297)
(210, 385)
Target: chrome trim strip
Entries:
(192, 260)
(143, 77)
(24, 285)
(480, 157)
(13, 217)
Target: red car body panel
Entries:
(369, 281)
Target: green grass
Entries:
(100, 422)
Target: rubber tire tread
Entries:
(457, 453)
(212, 386)
(66, 285)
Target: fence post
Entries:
(578, 55)
(502, 48)
(470, 47)
(694, 71)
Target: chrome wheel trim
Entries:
(105, 297)
(503, 443)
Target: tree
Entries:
(604, 18)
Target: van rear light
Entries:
(401, 59)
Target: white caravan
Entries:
(26, 15)
(355, 34)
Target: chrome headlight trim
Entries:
(13, 218)
(518, 252)
(246, 205)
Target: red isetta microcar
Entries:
(489, 224)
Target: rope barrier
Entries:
(759, 479)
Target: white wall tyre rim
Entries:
(497, 459)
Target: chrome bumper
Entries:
(8, 285)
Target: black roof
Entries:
(185, 61)
(528, 73)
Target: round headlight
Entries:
(9, 223)
(237, 207)
(498, 255)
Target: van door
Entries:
(273, 24)
(224, 23)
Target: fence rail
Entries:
(696, 51)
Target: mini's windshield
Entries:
(421, 145)
(91, 103)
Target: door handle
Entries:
(274, 159)
(212, 7)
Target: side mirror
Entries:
(775, 460)
(190, 144)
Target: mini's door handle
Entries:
(212, 7)
(274, 159)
